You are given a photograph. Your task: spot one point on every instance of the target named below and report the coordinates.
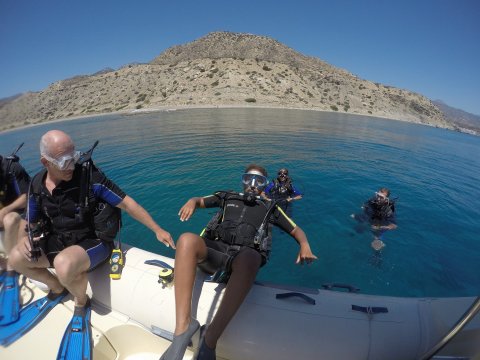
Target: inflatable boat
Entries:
(134, 318)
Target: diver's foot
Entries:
(378, 244)
(205, 352)
(179, 344)
(52, 295)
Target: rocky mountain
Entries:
(221, 69)
(8, 99)
(462, 120)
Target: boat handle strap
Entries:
(370, 309)
(307, 298)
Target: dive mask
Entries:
(254, 180)
(65, 162)
(380, 197)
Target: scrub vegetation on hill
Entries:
(221, 69)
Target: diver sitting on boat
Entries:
(379, 212)
(236, 243)
(13, 199)
(62, 231)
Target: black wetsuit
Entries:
(60, 211)
(281, 191)
(13, 182)
(238, 225)
(380, 213)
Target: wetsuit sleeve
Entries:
(368, 207)
(295, 191)
(269, 188)
(105, 189)
(280, 219)
(20, 180)
(213, 200)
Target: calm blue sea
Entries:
(162, 159)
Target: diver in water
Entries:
(282, 190)
(235, 244)
(379, 211)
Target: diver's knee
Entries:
(11, 219)
(65, 268)
(188, 241)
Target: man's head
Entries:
(58, 154)
(282, 174)
(254, 179)
(382, 195)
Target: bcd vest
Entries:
(93, 216)
(241, 231)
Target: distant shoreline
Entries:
(243, 71)
(193, 107)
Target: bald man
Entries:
(67, 242)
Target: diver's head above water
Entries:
(282, 175)
(381, 196)
(254, 179)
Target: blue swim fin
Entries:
(77, 339)
(29, 316)
(9, 299)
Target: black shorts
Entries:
(97, 250)
(220, 256)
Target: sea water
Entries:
(163, 158)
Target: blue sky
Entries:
(428, 46)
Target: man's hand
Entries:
(305, 255)
(25, 247)
(165, 237)
(187, 210)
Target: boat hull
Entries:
(266, 327)
(129, 313)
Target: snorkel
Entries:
(13, 156)
(84, 161)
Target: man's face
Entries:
(282, 175)
(381, 197)
(254, 182)
(55, 172)
(61, 163)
